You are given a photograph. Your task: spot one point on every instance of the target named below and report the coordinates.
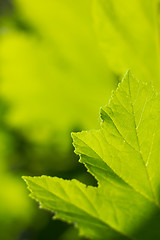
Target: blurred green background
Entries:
(59, 62)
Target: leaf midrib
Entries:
(140, 152)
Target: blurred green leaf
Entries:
(128, 33)
(57, 75)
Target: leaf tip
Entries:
(24, 178)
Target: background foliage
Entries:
(59, 61)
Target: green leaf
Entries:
(129, 36)
(124, 158)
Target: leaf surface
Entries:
(123, 155)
